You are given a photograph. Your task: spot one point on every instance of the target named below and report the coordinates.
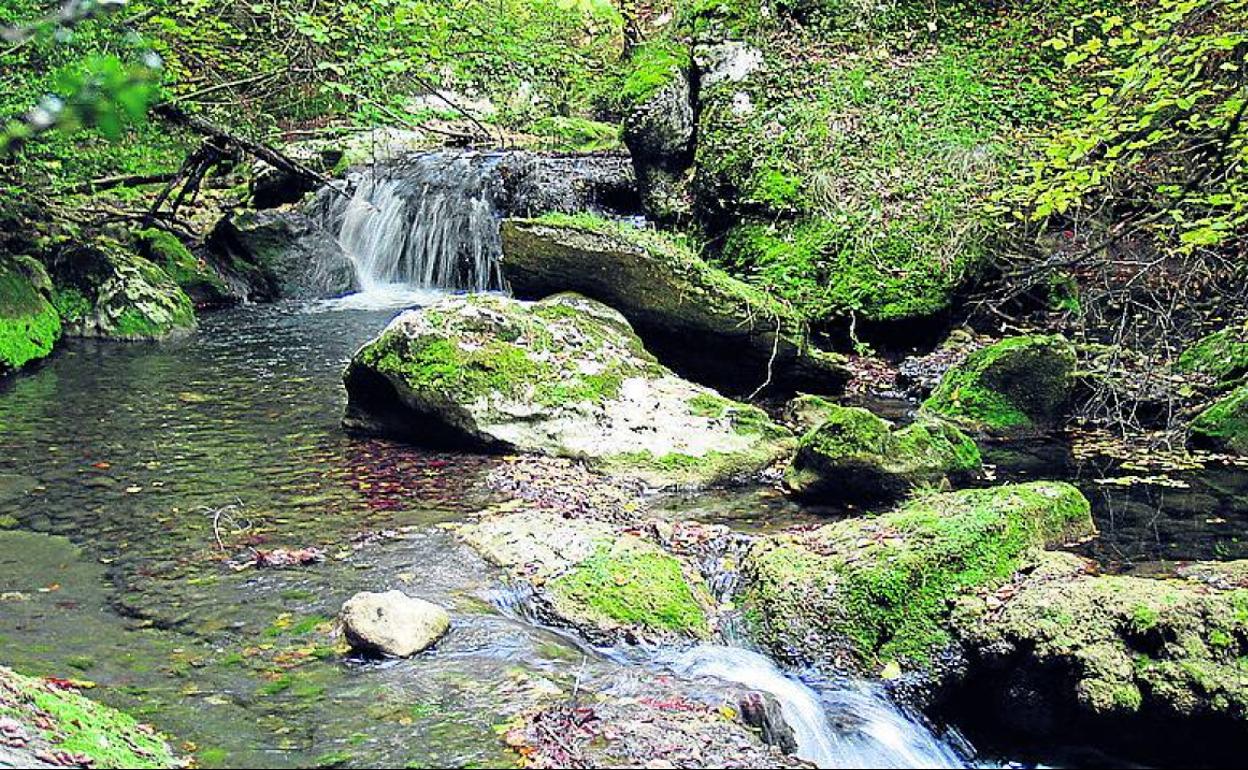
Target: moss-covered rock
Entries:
(565, 377)
(54, 720)
(860, 593)
(1116, 645)
(1224, 425)
(1019, 383)
(855, 456)
(590, 575)
(197, 279)
(659, 130)
(695, 317)
(806, 412)
(29, 324)
(1222, 356)
(104, 289)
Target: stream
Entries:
(115, 461)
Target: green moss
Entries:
(652, 67)
(1221, 356)
(72, 305)
(170, 254)
(866, 591)
(76, 725)
(571, 134)
(1224, 425)
(708, 405)
(1019, 382)
(634, 584)
(854, 455)
(29, 324)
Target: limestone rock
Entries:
(392, 623)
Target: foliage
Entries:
(1162, 136)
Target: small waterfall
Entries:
(430, 222)
(844, 724)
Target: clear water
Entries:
(124, 464)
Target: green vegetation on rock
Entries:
(862, 592)
(29, 324)
(854, 455)
(1224, 425)
(1018, 383)
(1221, 356)
(61, 720)
(634, 584)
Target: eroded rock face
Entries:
(1114, 646)
(856, 456)
(105, 290)
(563, 377)
(706, 324)
(1020, 383)
(392, 623)
(868, 593)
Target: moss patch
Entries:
(862, 592)
(66, 721)
(29, 324)
(1224, 425)
(1221, 356)
(631, 583)
(1018, 383)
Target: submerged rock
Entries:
(105, 290)
(1224, 425)
(706, 324)
(608, 583)
(564, 377)
(29, 324)
(853, 455)
(42, 722)
(1019, 383)
(861, 593)
(392, 623)
(1114, 645)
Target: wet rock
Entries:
(805, 412)
(704, 323)
(563, 377)
(29, 324)
(856, 456)
(1224, 425)
(610, 584)
(104, 289)
(659, 729)
(1117, 646)
(392, 623)
(862, 593)
(282, 253)
(195, 276)
(1019, 383)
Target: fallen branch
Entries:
(125, 180)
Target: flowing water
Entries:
(122, 465)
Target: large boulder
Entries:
(1078, 645)
(1224, 425)
(565, 377)
(706, 324)
(106, 290)
(855, 456)
(608, 583)
(29, 324)
(283, 253)
(866, 593)
(1019, 383)
(392, 623)
(196, 277)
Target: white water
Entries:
(430, 223)
(848, 724)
